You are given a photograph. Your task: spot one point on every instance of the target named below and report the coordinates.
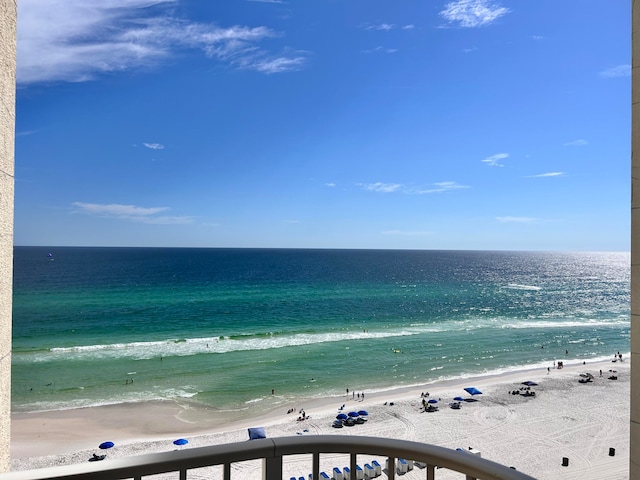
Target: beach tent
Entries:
(473, 391)
(255, 433)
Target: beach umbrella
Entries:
(433, 400)
(181, 441)
(473, 391)
(364, 413)
(105, 445)
(529, 383)
(353, 414)
(342, 416)
(458, 399)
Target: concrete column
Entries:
(634, 445)
(8, 19)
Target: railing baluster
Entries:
(316, 465)
(183, 474)
(353, 461)
(431, 472)
(226, 471)
(391, 468)
(272, 468)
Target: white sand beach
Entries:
(581, 422)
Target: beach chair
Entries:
(402, 465)
(324, 476)
(346, 473)
(359, 473)
(369, 471)
(377, 467)
(409, 465)
(337, 474)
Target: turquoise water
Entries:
(223, 327)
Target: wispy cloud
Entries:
(76, 40)
(544, 175)
(380, 26)
(576, 143)
(472, 13)
(330, 185)
(516, 219)
(131, 213)
(266, 1)
(615, 72)
(537, 38)
(438, 187)
(408, 27)
(381, 187)
(494, 160)
(441, 187)
(380, 50)
(154, 146)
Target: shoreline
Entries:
(42, 439)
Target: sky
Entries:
(378, 124)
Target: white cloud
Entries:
(472, 13)
(619, 71)
(438, 187)
(76, 40)
(381, 187)
(515, 219)
(550, 174)
(380, 50)
(493, 160)
(576, 143)
(130, 213)
(381, 26)
(408, 27)
(330, 184)
(266, 1)
(154, 146)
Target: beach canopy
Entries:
(342, 416)
(458, 399)
(364, 413)
(433, 400)
(181, 441)
(255, 433)
(353, 414)
(529, 383)
(105, 445)
(473, 391)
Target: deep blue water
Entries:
(222, 327)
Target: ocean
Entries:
(223, 328)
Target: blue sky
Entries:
(421, 124)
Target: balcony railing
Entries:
(272, 451)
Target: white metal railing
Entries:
(272, 451)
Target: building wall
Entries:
(634, 447)
(8, 16)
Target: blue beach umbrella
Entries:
(353, 414)
(105, 445)
(181, 441)
(473, 391)
(433, 400)
(364, 413)
(458, 399)
(342, 416)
